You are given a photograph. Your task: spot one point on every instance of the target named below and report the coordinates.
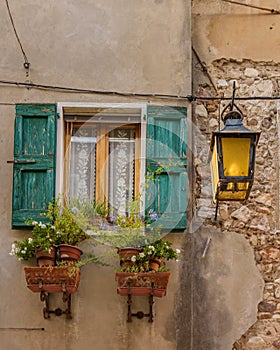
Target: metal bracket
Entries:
(66, 298)
(140, 314)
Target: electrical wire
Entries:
(90, 91)
(189, 98)
(277, 12)
(26, 62)
(204, 68)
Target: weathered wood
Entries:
(166, 165)
(34, 161)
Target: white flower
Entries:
(133, 258)
(52, 227)
(178, 251)
(30, 240)
(23, 251)
(12, 252)
(151, 247)
(141, 255)
(43, 226)
(34, 223)
(14, 249)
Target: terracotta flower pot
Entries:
(46, 258)
(142, 283)
(126, 254)
(49, 279)
(154, 264)
(69, 253)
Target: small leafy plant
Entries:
(43, 236)
(160, 249)
(69, 226)
(63, 228)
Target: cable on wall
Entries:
(189, 98)
(26, 63)
(273, 11)
(204, 68)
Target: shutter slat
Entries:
(34, 161)
(166, 165)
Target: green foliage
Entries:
(86, 259)
(63, 228)
(69, 226)
(24, 249)
(160, 249)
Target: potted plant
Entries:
(129, 233)
(70, 231)
(152, 257)
(142, 278)
(41, 244)
(63, 231)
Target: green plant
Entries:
(88, 258)
(160, 249)
(131, 230)
(24, 249)
(43, 236)
(69, 226)
(63, 227)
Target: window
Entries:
(102, 164)
(102, 153)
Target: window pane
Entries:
(82, 163)
(121, 168)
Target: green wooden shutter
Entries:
(34, 161)
(166, 165)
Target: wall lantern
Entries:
(233, 153)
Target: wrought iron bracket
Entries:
(66, 298)
(140, 314)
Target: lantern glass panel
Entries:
(214, 169)
(233, 191)
(236, 156)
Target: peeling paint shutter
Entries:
(166, 165)
(34, 161)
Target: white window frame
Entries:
(60, 151)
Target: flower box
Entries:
(52, 279)
(142, 283)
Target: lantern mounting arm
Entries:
(231, 105)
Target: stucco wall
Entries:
(120, 46)
(226, 30)
(102, 45)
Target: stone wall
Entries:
(258, 218)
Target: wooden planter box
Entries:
(52, 279)
(142, 283)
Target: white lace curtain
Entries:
(83, 163)
(121, 165)
(121, 169)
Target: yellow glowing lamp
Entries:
(233, 152)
